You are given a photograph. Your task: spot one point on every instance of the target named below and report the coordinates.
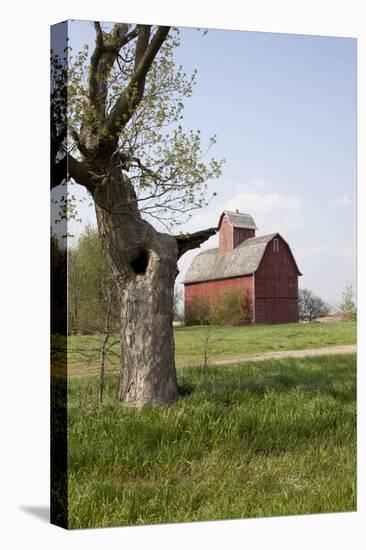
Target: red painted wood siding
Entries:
(276, 286)
(210, 291)
(225, 235)
(241, 234)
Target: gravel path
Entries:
(312, 352)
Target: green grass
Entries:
(250, 440)
(226, 342)
(230, 342)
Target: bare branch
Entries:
(94, 62)
(129, 99)
(99, 33)
(193, 240)
(75, 136)
(142, 43)
(79, 173)
(107, 47)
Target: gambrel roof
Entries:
(245, 259)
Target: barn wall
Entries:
(210, 291)
(241, 234)
(225, 235)
(276, 286)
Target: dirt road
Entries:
(313, 352)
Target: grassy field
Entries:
(225, 342)
(232, 342)
(250, 440)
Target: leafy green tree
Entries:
(311, 306)
(347, 307)
(91, 286)
(123, 140)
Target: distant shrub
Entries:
(348, 307)
(232, 308)
(198, 313)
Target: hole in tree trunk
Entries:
(140, 263)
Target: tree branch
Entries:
(193, 240)
(142, 43)
(129, 99)
(94, 62)
(141, 47)
(106, 51)
(79, 173)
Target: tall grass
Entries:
(248, 440)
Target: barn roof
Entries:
(243, 260)
(239, 219)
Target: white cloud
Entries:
(344, 200)
(271, 211)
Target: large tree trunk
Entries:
(147, 343)
(144, 264)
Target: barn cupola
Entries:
(234, 228)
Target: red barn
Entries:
(263, 266)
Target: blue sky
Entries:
(284, 110)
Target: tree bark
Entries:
(147, 342)
(143, 263)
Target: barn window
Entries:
(276, 245)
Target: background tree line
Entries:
(93, 305)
